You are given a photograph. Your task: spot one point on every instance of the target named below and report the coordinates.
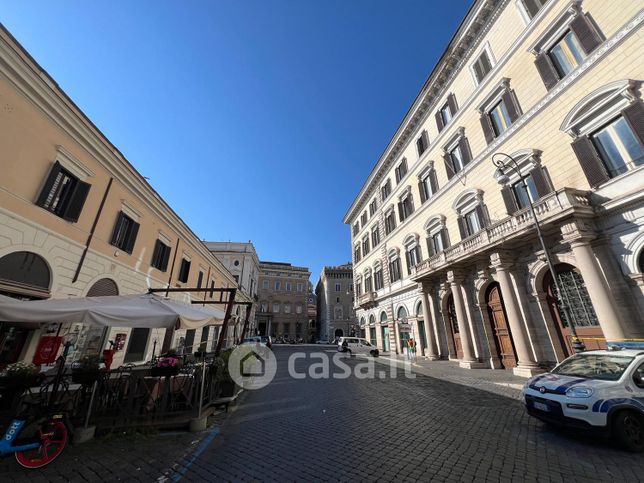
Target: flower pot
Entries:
(84, 377)
(165, 371)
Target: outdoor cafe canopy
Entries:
(141, 311)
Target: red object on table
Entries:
(47, 350)
(108, 357)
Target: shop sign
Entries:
(403, 328)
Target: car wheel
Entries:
(629, 430)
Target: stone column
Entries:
(456, 284)
(526, 365)
(428, 318)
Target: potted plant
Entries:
(86, 370)
(166, 366)
(222, 376)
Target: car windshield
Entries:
(594, 366)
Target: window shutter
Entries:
(419, 253)
(117, 226)
(156, 254)
(408, 260)
(585, 33)
(166, 259)
(397, 175)
(589, 160)
(77, 201)
(532, 7)
(400, 212)
(451, 102)
(448, 165)
(480, 213)
(511, 104)
(634, 115)
(465, 150)
(486, 124)
(131, 239)
(433, 182)
(461, 227)
(411, 203)
(444, 238)
(430, 246)
(49, 184)
(510, 201)
(422, 191)
(540, 181)
(439, 121)
(547, 71)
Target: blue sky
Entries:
(255, 120)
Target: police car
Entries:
(599, 390)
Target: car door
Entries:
(365, 346)
(638, 380)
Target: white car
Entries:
(356, 345)
(598, 390)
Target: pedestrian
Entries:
(411, 349)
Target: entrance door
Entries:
(422, 338)
(385, 339)
(453, 325)
(502, 336)
(575, 296)
(137, 345)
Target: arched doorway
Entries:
(338, 333)
(384, 327)
(499, 319)
(403, 328)
(581, 310)
(452, 322)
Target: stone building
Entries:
(77, 220)
(312, 313)
(282, 293)
(336, 315)
(443, 242)
(242, 262)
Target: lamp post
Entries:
(509, 163)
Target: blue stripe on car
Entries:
(562, 389)
(637, 402)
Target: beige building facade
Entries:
(446, 245)
(77, 220)
(335, 299)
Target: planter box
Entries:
(164, 371)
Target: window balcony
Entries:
(509, 232)
(367, 300)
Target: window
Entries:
(184, 270)
(482, 65)
(136, 345)
(356, 228)
(514, 194)
(160, 256)
(445, 114)
(377, 277)
(358, 288)
(385, 191)
(456, 154)
(236, 277)
(298, 308)
(394, 267)
(472, 222)
(436, 235)
(338, 287)
(471, 213)
(500, 118)
(300, 287)
(276, 307)
(356, 253)
(288, 286)
(287, 308)
(265, 284)
(412, 254)
(498, 111)
(401, 170)
(200, 279)
(373, 206)
(363, 219)
(365, 246)
(63, 194)
(456, 159)
(422, 143)
(375, 236)
(390, 222)
(278, 285)
(618, 147)
(124, 234)
(560, 50)
(368, 285)
(263, 307)
(427, 184)
(532, 7)
(405, 207)
(522, 198)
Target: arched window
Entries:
(383, 317)
(419, 309)
(608, 132)
(26, 274)
(395, 272)
(103, 287)
(362, 321)
(372, 320)
(413, 255)
(437, 237)
(471, 213)
(402, 313)
(377, 275)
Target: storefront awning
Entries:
(140, 311)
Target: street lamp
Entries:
(501, 176)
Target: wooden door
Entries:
(502, 335)
(453, 327)
(576, 297)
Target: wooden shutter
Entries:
(408, 260)
(422, 191)
(480, 213)
(540, 181)
(131, 239)
(547, 70)
(451, 102)
(448, 165)
(401, 215)
(589, 160)
(430, 246)
(444, 238)
(77, 201)
(49, 184)
(511, 104)
(634, 115)
(585, 33)
(397, 174)
(433, 181)
(465, 150)
(486, 124)
(462, 228)
(117, 226)
(439, 120)
(156, 254)
(509, 200)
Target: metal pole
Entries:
(224, 326)
(91, 403)
(577, 344)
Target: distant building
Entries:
(312, 313)
(240, 258)
(334, 290)
(282, 293)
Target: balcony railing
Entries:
(367, 300)
(552, 207)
